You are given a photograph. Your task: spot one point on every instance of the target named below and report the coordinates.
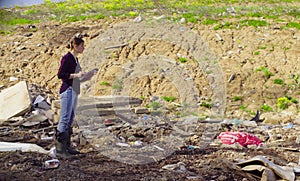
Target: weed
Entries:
(117, 86)
(266, 108)
(104, 83)
(207, 105)
(293, 25)
(278, 81)
(262, 47)
(255, 23)
(209, 22)
(168, 99)
(265, 70)
(256, 53)
(283, 103)
(154, 105)
(182, 59)
(237, 98)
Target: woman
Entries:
(71, 74)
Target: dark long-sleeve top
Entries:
(69, 65)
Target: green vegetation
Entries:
(154, 105)
(284, 102)
(278, 81)
(265, 70)
(117, 86)
(266, 108)
(168, 99)
(208, 12)
(104, 83)
(237, 98)
(206, 104)
(182, 59)
(256, 53)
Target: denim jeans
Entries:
(68, 102)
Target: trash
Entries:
(137, 143)
(161, 149)
(12, 79)
(123, 144)
(191, 147)
(242, 138)
(24, 147)
(268, 168)
(34, 120)
(238, 122)
(50, 164)
(178, 167)
(9, 97)
(40, 102)
(138, 19)
(182, 20)
(288, 126)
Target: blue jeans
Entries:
(68, 102)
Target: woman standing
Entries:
(71, 74)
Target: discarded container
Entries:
(50, 164)
(242, 138)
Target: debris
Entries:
(219, 37)
(34, 120)
(288, 126)
(123, 144)
(242, 138)
(182, 20)
(256, 117)
(161, 149)
(40, 102)
(138, 19)
(24, 147)
(269, 169)
(12, 79)
(50, 164)
(178, 167)
(8, 98)
(231, 78)
(116, 46)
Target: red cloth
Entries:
(242, 138)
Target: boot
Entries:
(71, 149)
(61, 144)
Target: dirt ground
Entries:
(147, 62)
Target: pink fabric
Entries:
(242, 138)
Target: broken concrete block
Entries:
(34, 120)
(141, 110)
(14, 101)
(55, 104)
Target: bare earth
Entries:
(142, 60)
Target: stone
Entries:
(14, 101)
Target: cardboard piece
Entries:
(14, 101)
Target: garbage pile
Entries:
(119, 125)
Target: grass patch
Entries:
(252, 22)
